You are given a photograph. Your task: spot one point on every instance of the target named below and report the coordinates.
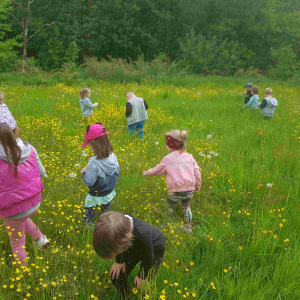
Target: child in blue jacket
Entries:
(101, 173)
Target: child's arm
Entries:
(197, 175)
(249, 102)
(146, 104)
(263, 103)
(158, 169)
(89, 103)
(41, 168)
(128, 109)
(90, 176)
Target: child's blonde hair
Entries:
(268, 91)
(1, 95)
(180, 135)
(84, 92)
(112, 234)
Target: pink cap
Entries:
(94, 132)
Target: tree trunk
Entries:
(25, 41)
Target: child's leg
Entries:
(186, 208)
(158, 257)
(16, 231)
(121, 283)
(171, 201)
(106, 207)
(131, 129)
(32, 230)
(89, 214)
(140, 127)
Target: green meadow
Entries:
(245, 242)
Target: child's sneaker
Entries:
(42, 242)
(187, 230)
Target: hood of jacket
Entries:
(108, 165)
(273, 102)
(25, 148)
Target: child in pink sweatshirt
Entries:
(182, 174)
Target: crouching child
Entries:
(129, 240)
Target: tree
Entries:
(7, 53)
(24, 22)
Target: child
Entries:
(130, 241)
(248, 87)
(101, 173)
(20, 188)
(268, 104)
(3, 107)
(253, 102)
(136, 114)
(86, 104)
(182, 174)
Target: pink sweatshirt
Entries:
(182, 172)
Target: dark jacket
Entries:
(147, 240)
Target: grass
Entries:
(246, 235)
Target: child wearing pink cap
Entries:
(101, 173)
(182, 174)
(20, 188)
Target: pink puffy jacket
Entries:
(17, 194)
(182, 172)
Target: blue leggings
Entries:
(139, 126)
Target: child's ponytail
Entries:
(183, 135)
(9, 144)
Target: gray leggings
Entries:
(185, 198)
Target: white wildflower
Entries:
(156, 143)
(208, 156)
(211, 152)
(77, 166)
(269, 185)
(45, 156)
(216, 154)
(72, 175)
(202, 154)
(209, 136)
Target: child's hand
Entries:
(83, 170)
(95, 105)
(259, 103)
(144, 173)
(138, 282)
(244, 93)
(116, 269)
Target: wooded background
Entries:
(204, 35)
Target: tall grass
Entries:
(245, 243)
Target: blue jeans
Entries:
(139, 126)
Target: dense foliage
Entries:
(240, 34)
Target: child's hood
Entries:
(25, 148)
(272, 101)
(109, 164)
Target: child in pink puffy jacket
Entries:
(20, 188)
(182, 174)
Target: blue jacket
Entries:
(253, 102)
(87, 107)
(101, 175)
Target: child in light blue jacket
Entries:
(86, 105)
(101, 173)
(253, 102)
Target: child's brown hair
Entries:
(10, 146)
(112, 234)
(101, 145)
(254, 89)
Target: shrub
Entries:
(286, 64)
(213, 55)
